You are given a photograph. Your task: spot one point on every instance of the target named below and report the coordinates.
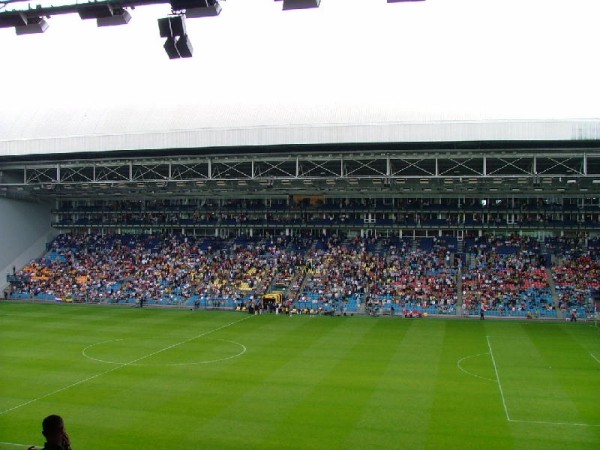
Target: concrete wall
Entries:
(24, 231)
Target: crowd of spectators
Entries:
(504, 275)
(574, 278)
(154, 268)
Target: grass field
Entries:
(126, 378)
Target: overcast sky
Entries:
(362, 61)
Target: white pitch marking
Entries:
(498, 379)
(542, 422)
(538, 422)
(458, 364)
(14, 445)
(85, 380)
(593, 356)
(242, 346)
(84, 351)
(244, 349)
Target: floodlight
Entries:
(16, 19)
(209, 8)
(178, 47)
(300, 4)
(105, 14)
(180, 5)
(197, 8)
(170, 48)
(172, 26)
(120, 16)
(178, 44)
(34, 25)
(95, 11)
(184, 47)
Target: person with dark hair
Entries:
(573, 315)
(53, 429)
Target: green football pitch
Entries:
(130, 378)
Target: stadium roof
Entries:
(80, 135)
(348, 72)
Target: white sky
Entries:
(349, 61)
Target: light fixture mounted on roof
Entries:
(300, 4)
(104, 13)
(120, 16)
(22, 22)
(197, 8)
(34, 25)
(115, 12)
(12, 19)
(178, 44)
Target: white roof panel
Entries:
(447, 131)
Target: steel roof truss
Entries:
(110, 173)
(274, 169)
(575, 169)
(76, 174)
(359, 165)
(228, 171)
(457, 164)
(510, 164)
(189, 171)
(408, 164)
(42, 175)
(149, 172)
(313, 169)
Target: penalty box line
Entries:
(539, 422)
(113, 369)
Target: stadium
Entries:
(303, 262)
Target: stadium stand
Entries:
(448, 224)
(508, 276)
